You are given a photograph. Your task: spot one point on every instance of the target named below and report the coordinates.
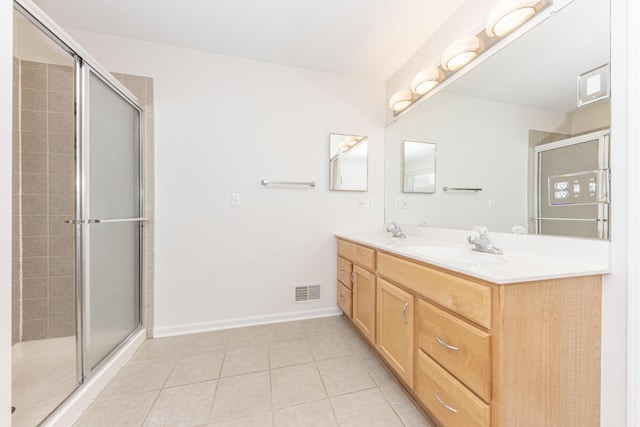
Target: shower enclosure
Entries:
(77, 217)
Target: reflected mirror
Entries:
(419, 167)
(488, 122)
(348, 156)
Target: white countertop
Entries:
(525, 258)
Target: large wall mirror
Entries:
(348, 159)
(488, 124)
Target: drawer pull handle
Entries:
(454, 410)
(342, 271)
(404, 313)
(353, 277)
(449, 346)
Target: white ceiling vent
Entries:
(307, 292)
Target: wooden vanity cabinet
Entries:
(479, 354)
(363, 286)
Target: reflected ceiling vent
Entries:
(307, 292)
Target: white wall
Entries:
(221, 125)
(479, 144)
(6, 87)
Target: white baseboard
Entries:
(191, 328)
(80, 400)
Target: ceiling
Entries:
(360, 38)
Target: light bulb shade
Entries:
(426, 80)
(400, 100)
(460, 52)
(507, 15)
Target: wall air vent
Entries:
(307, 292)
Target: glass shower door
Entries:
(113, 207)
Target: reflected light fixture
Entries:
(426, 80)
(350, 142)
(507, 15)
(400, 100)
(460, 52)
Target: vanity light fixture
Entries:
(426, 80)
(400, 100)
(507, 15)
(460, 52)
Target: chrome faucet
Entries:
(480, 241)
(396, 231)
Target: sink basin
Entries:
(458, 255)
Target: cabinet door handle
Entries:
(353, 277)
(342, 271)
(449, 346)
(454, 410)
(404, 313)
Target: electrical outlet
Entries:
(235, 200)
(370, 202)
(398, 202)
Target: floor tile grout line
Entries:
(146, 417)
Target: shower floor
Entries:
(44, 374)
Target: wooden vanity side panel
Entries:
(548, 371)
(469, 299)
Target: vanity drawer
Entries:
(345, 299)
(460, 348)
(345, 268)
(449, 401)
(469, 299)
(363, 256)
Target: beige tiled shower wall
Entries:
(142, 87)
(43, 287)
(46, 200)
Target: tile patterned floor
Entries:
(308, 373)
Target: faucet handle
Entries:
(480, 230)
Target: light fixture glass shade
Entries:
(507, 15)
(400, 100)
(426, 80)
(460, 52)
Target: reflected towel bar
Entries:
(461, 189)
(308, 184)
(570, 219)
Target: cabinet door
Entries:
(395, 329)
(364, 302)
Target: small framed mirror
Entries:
(419, 167)
(348, 162)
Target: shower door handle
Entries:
(106, 221)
